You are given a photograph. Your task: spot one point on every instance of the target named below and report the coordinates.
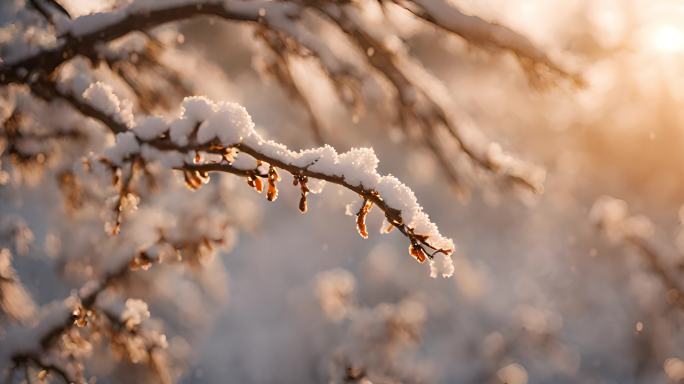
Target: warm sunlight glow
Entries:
(666, 39)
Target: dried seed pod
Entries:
(190, 181)
(301, 180)
(255, 182)
(273, 178)
(194, 179)
(258, 184)
(302, 204)
(417, 252)
(361, 218)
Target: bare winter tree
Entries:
(101, 110)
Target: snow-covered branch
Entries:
(81, 35)
(420, 103)
(37, 344)
(211, 137)
(225, 132)
(478, 31)
(424, 102)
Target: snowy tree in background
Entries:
(128, 167)
(89, 100)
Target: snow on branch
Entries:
(220, 137)
(224, 134)
(79, 36)
(478, 31)
(424, 101)
(41, 344)
(281, 25)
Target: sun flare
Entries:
(666, 38)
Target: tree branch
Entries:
(478, 31)
(83, 36)
(196, 173)
(85, 32)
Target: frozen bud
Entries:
(361, 218)
(417, 252)
(302, 180)
(195, 179)
(255, 182)
(273, 178)
(302, 204)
